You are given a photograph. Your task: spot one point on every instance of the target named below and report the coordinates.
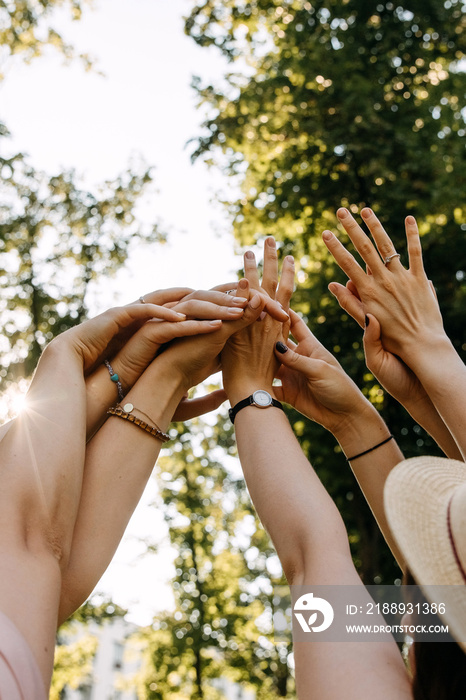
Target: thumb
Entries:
(348, 300)
(293, 360)
(252, 312)
(372, 341)
(191, 408)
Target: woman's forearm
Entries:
(119, 461)
(427, 416)
(371, 469)
(443, 376)
(294, 507)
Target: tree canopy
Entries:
(26, 28)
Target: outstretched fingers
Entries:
(286, 286)
(348, 301)
(272, 306)
(416, 264)
(208, 309)
(164, 296)
(361, 242)
(343, 258)
(270, 272)
(382, 239)
(251, 272)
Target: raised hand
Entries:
(248, 361)
(194, 359)
(277, 297)
(201, 313)
(392, 373)
(405, 344)
(401, 299)
(315, 383)
(95, 339)
(231, 299)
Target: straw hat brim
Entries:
(416, 497)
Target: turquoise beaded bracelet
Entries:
(116, 379)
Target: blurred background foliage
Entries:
(326, 104)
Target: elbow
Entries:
(315, 561)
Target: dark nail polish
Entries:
(366, 321)
(281, 347)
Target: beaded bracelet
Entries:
(125, 413)
(371, 449)
(115, 378)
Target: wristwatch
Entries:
(259, 398)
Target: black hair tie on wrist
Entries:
(371, 449)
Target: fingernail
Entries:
(270, 241)
(232, 311)
(281, 347)
(366, 321)
(282, 308)
(327, 235)
(289, 259)
(255, 301)
(249, 255)
(239, 301)
(242, 284)
(366, 212)
(217, 322)
(183, 316)
(342, 212)
(410, 220)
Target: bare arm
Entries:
(41, 464)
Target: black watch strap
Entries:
(249, 401)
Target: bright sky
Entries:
(144, 105)
(64, 117)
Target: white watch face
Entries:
(262, 398)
